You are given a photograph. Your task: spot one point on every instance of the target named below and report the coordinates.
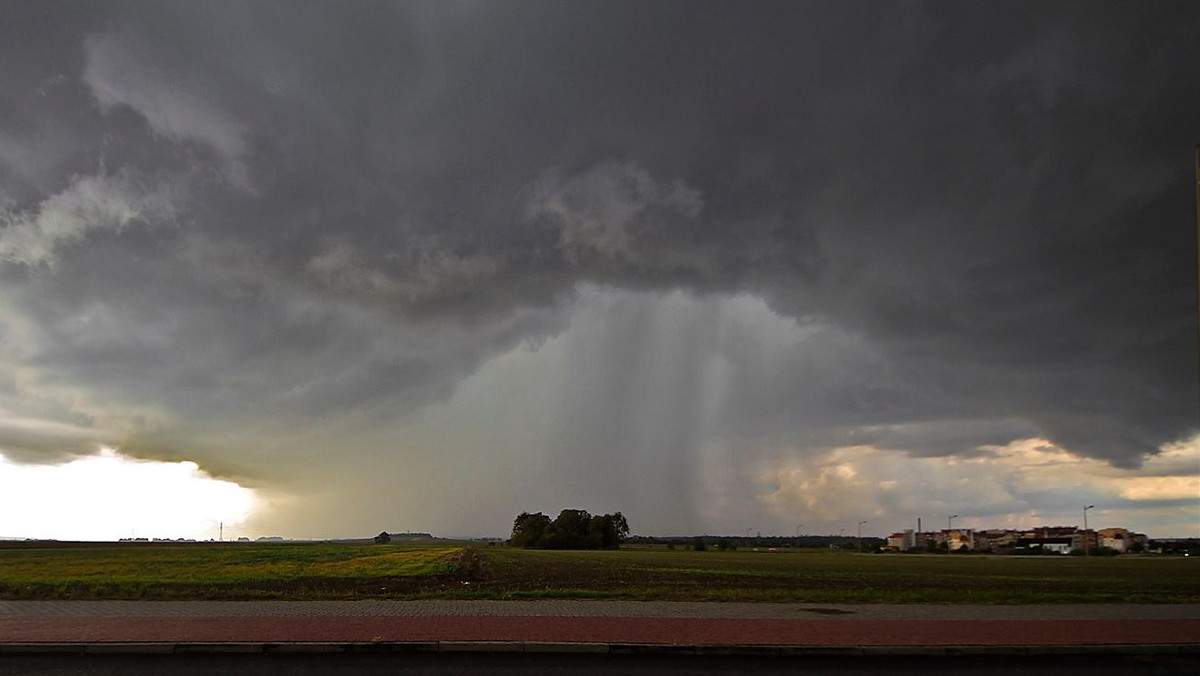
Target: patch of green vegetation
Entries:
(213, 570)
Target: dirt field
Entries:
(824, 576)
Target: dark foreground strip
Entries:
(590, 648)
(495, 630)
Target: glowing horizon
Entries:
(109, 497)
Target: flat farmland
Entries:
(345, 571)
(224, 570)
(841, 577)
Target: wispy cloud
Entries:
(103, 203)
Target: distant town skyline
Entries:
(317, 269)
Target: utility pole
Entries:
(1087, 550)
(221, 536)
(860, 525)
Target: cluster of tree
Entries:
(573, 529)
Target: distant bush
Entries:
(698, 544)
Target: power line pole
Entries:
(1087, 550)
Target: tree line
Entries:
(573, 529)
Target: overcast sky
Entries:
(719, 266)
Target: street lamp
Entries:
(860, 525)
(950, 521)
(1086, 548)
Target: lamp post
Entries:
(860, 525)
(950, 522)
(798, 527)
(1086, 545)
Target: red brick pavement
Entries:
(639, 630)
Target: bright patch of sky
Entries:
(108, 497)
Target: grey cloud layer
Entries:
(225, 224)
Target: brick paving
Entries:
(578, 608)
(638, 630)
(600, 622)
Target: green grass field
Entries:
(303, 570)
(170, 570)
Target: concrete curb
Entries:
(544, 647)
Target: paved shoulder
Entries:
(564, 625)
(577, 608)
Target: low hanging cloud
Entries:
(617, 210)
(429, 275)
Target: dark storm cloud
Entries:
(225, 223)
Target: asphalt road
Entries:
(586, 665)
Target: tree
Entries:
(572, 529)
(383, 538)
(620, 528)
(698, 544)
(607, 531)
(528, 529)
(568, 531)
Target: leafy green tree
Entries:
(528, 529)
(568, 531)
(606, 531)
(572, 529)
(620, 527)
(698, 544)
